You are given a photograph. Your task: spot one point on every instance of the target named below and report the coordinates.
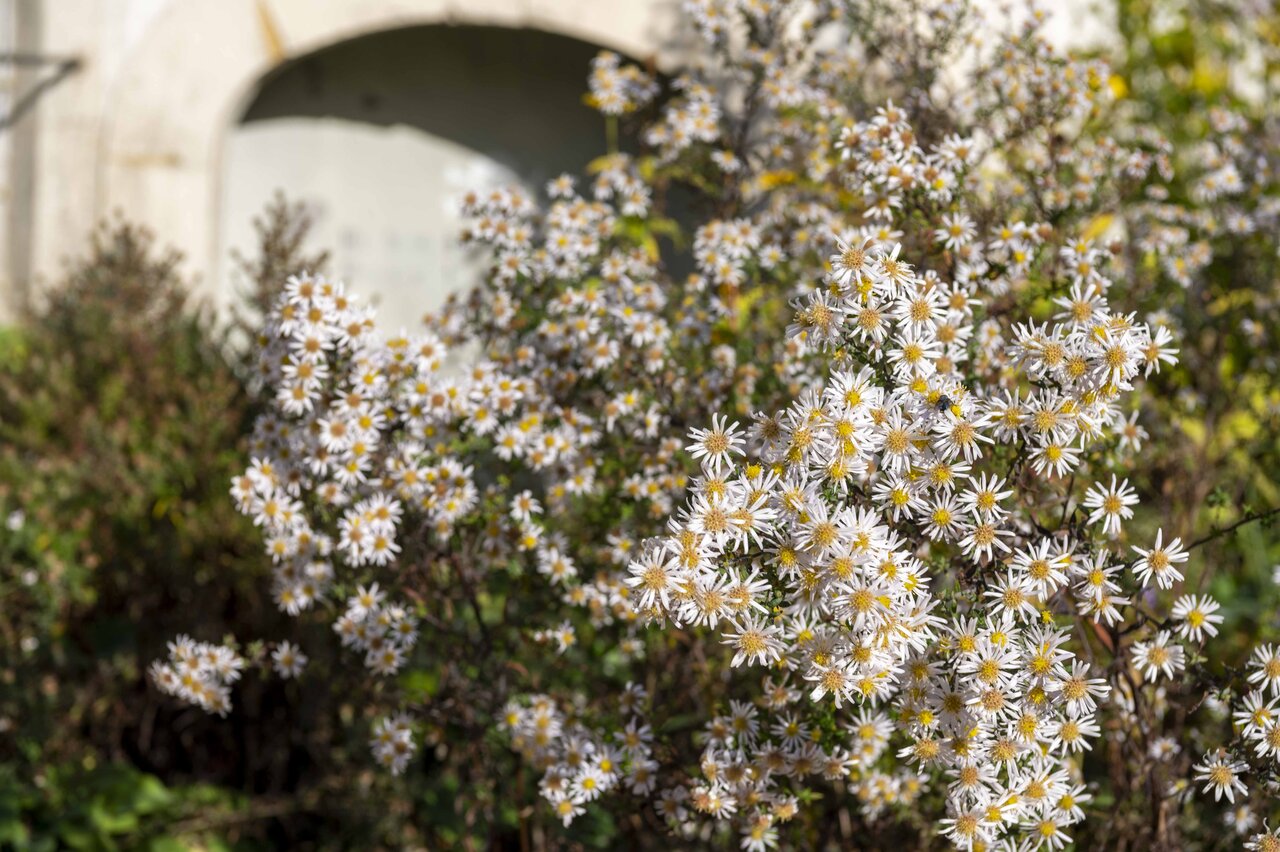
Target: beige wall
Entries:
(142, 126)
(147, 122)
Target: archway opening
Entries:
(381, 135)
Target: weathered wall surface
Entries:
(143, 122)
(137, 106)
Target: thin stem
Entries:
(1247, 519)
(611, 133)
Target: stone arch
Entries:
(381, 135)
(171, 112)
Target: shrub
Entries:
(917, 594)
(123, 411)
(883, 450)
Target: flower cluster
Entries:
(392, 743)
(199, 673)
(1229, 179)
(856, 493)
(616, 89)
(805, 551)
(579, 767)
(384, 633)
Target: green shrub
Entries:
(123, 415)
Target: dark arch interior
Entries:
(514, 95)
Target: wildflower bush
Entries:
(879, 453)
(123, 410)
(117, 415)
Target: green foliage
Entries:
(122, 420)
(120, 426)
(111, 807)
(124, 411)
(1216, 445)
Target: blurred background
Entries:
(143, 147)
(378, 114)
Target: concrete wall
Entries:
(142, 126)
(149, 120)
(382, 135)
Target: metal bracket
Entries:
(63, 68)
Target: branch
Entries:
(253, 812)
(1247, 519)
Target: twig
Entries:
(1248, 519)
(252, 813)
